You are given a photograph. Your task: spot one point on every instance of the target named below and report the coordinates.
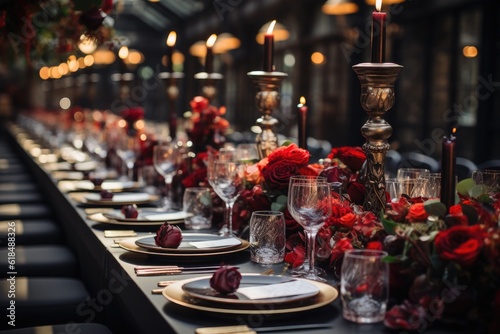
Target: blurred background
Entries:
(450, 50)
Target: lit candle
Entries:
(378, 33)
(209, 57)
(172, 37)
(269, 48)
(302, 122)
(448, 166)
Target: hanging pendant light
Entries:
(339, 7)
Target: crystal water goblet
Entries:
(227, 180)
(167, 159)
(310, 204)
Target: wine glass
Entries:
(304, 267)
(127, 148)
(167, 159)
(227, 180)
(310, 204)
(411, 181)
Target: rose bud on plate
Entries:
(130, 211)
(96, 181)
(168, 236)
(226, 280)
(106, 195)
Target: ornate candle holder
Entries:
(170, 80)
(267, 100)
(209, 79)
(377, 96)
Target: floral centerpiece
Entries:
(445, 263)
(206, 125)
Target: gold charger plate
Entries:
(174, 293)
(201, 289)
(83, 198)
(100, 218)
(132, 247)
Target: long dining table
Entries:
(128, 303)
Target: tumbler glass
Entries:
(267, 237)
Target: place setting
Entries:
(136, 216)
(106, 198)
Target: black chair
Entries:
(490, 164)
(30, 232)
(392, 160)
(418, 160)
(464, 168)
(41, 301)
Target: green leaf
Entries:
(464, 186)
(389, 225)
(392, 259)
(282, 199)
(287, 142)
(277, 207)
(434, 207)
(478, 190)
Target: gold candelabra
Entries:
(377, 96)
(170, 80)
(267, 100)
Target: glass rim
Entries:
(365, 253)
(197, 188)
(267, 213)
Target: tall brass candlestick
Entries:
(377, 96)
(267, 100)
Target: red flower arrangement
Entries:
(206, 125)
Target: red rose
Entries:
(198, 104)
(417, 213)
(277, 174)
(339, 248)
(356, 192)
(352, 157)
(375, 245)
(296, 256)
(461, 244)
(406, 316)
(292, 154)
(226, 280)
(368, 225)
(130, 211)
(335, 174)
(348, 220)
(168, 236)
(456, 216)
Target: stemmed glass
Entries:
(227, 180)
(310, 204)
(128, 149)
(304, 267)
(167, 159)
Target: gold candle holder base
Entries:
(377, 96)
(267, 100)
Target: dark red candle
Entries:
(209, 57)
(379, 19)
(302, 123)
(269, 48)
(448, 166)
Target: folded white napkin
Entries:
(166, 216)
(278, 290)
(216, 243)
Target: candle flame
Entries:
(172, 37)
(271, 27)
(454, 131)
(302, 100)
(211, 40)
(123, 52)
(378, 5)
